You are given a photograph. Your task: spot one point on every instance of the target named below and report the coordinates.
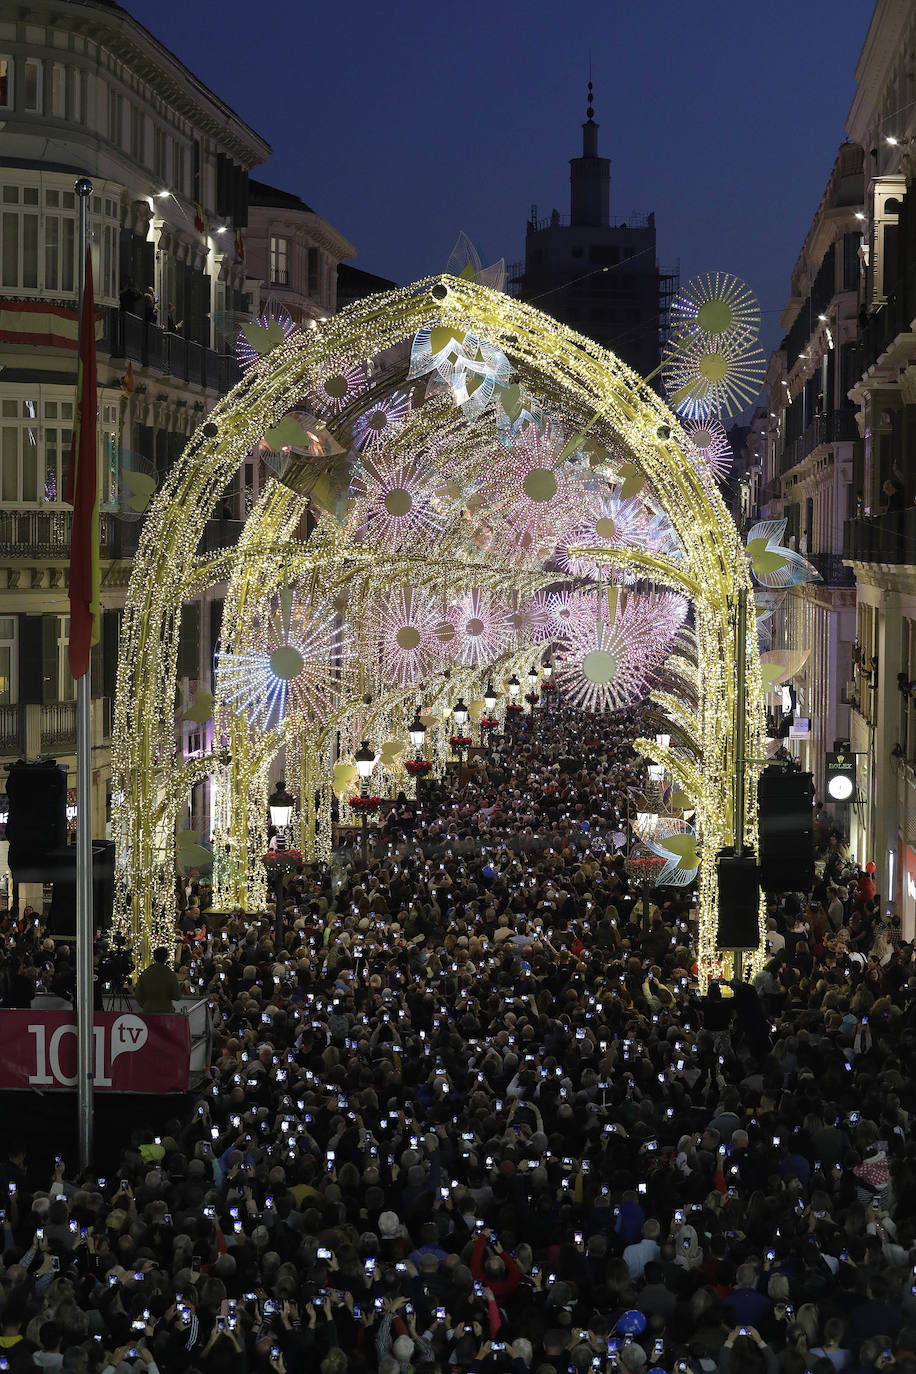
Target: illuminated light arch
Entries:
(574, 380)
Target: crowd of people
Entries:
(474, 1115)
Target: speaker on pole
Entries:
(37, 824)
(785, 815)
(738, 881)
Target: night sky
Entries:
(402, 123)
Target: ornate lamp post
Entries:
(547, 685)
(280, 804)
(364, 758)
(488, 723)
(531, 696)
(416, 733)
(460, 716)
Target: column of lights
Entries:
(580, 373)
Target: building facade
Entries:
(880, 535)
(811, 440)
(87, 91)
(598, 275)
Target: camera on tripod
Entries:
(114, 970)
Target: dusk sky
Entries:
(403, 123)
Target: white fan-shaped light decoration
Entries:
(709, 440)
(708, 377)
(716, 305)
(394, 500)
(262, 335)
(479, 622)
(610, 656)
(471, 367)
(614, 522)
(407, 622)
(295, 665)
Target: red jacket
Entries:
(500, 1288)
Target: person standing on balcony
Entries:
(149, 306)
(893, 491)
(129, 297)
(170, 323)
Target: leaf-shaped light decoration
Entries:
(263, 340)
(633, 480)
(287, 434)
(189, 852)
(141, 486)
(343, 778)
(391, 752)
(465, 262)
(779, 665)
(201, 708)
(772, 564)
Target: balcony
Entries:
(836, 427)
(833, 571)
(45, 534)
(887, 538)
(881, 329)
(58, 726)
(12, 729)
(127, 336)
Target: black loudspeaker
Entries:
(785, 802)
(739, 901)
(37, 824)
(62, 915)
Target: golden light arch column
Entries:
(573, 378)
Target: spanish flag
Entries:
(200, 223)
(83, 496)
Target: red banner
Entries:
(133, 1054)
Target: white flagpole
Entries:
(84, 916)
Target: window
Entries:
(160, 153)
(60, 242)
(8, 661)
(181, 168)
(19, 452)
(138, 136)
(58, 90)
(76, 95)
(279, 261)
(34, 454)
(31, 86)
(313, 271)
(6, 83)
(66, 690)
(115, 116)
(19, 234)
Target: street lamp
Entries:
(364, 758)
(280, 804)
(547, 673)
(490, 699)
(416, 733)
(460, 716)
(663, 741)
(514, 687)
(532, 686)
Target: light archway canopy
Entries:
(461, 487)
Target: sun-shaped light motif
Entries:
(716, 305)
(480, 629)
(296, 665)
(613, 522)
(394, 501)
(566, 611)
(380, 419)
(535, 501)
(341, 383)
(713, 450)
(706, 377)
(607, 662)
(407, 623)
(529, 619)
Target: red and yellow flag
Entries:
(83, 496)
